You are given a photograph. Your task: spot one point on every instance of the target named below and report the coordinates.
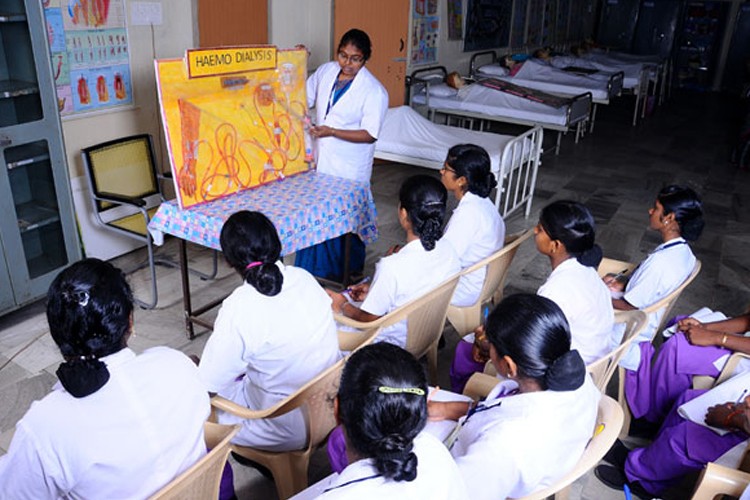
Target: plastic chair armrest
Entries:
(118, 198)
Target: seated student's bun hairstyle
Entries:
(424, 197)
(687, 208)
(472, 162)
(572, 224)
(89, 308)
(382, 401)
(533, 331)
(252, 247)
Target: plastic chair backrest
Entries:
(466, 319)
(122, 167)
(316, 401)
(608, 424)
(603, 368)
(203, 478)
(498, 265)
(426, 321)
(716, 480)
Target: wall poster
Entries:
(88, 43)
(425, 30)
(234, 118)
(455, 19)
(487, 24)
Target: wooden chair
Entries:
(608, 425)
(666, 304)
(202, 480)
(603, 368)
(425, 319)
(289, 468)
(466, 319)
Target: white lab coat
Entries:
(663, 271)
(404, 276)
(437, 477)
(362, 107)
(127, 440)
(525, 442)
(476, 231)
(587, 304)
(278, 343)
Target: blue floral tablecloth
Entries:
(306, 209)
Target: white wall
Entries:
(170, 39)
(309, 22)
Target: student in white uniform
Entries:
(382, 408)
(533, 427)
(273, 334)
(677, 215)
(114, 426)
(350, 106)
(412, 270)
(475, 229)
(565, 234)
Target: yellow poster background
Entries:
(229, 133)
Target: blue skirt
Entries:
(326, 260)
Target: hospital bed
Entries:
(536, 74)
(476, 102)
(408, 137)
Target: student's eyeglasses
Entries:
(447, 168)
(354, 59)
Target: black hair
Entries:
(472, 162)
(89, 309)
(252, 247)
(503, 61)
(380, 418)
(687, 208)
(572, 224)
(533, 331)
(359, 39)
(423, 197)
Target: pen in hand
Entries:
(742, 396)
(349, 289)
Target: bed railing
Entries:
(614, 85)
(480, 59)
(523, 156)
(420, 80)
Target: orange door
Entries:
(387, 24)
(232, 22)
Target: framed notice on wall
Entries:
(424, 32)
(487, 24)
(88, 43)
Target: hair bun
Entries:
(566, 373)
(83, 377)
(591, 257)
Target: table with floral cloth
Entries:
(306, 209)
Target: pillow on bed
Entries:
(442, 90)
(493, 70)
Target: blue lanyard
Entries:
(673, 244)
(353, 481)
(336, 93)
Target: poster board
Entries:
(234, 118)
(487, 24)
(425, 32)
(89, 49)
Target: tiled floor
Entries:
(616, 172)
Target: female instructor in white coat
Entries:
(350, 106)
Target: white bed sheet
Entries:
(603, 56)
(548, 79)
(476, 98)
(631, 71)
(407, 133)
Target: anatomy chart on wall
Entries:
(424, 33)
(90, 59)
(234, 119)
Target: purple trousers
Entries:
(336, 449)
(463, 366)
(652, 389)
(680, 447)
